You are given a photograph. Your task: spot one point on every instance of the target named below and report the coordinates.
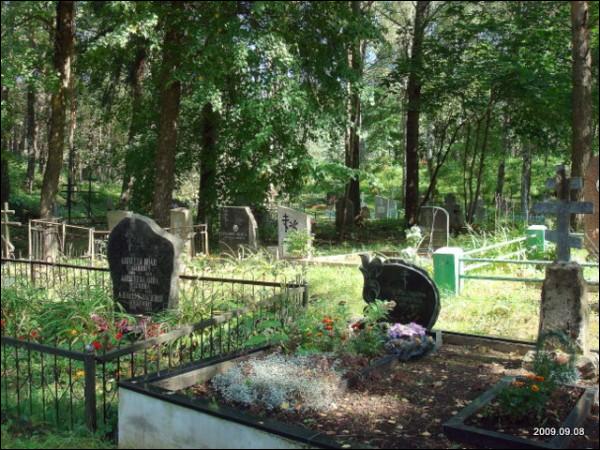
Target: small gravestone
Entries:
(182, 226)
(238, 228)
(381, 207)
(590, 194)
(144, 265)
(289, 221)
(410, 287)
(393, 209)
(457, 221)
(435, 226)
(344, 213)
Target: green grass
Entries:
(14, 436)
(509, 310)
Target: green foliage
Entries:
(368, 335)
(299, 243)
(525, 399)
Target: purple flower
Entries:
(399, 331)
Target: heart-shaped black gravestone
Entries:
(410, 287)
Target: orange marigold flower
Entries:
(540, 379)
(535, 388)
(329, 328)
(518, 384)
(530, 376)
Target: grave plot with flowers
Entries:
(71, 333)
(383, 380)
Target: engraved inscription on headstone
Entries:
(414, 292)
(144, 265)
(238, 228)
(591, 195)
(288, 221)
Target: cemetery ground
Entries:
(507, 310)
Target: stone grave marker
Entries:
(564, 306)
(288, 221)
(392, 209)
(182, 226)
(590, 194)
(238, 228)
(435, 226)
(144, 265)
(381, 207)
(410, 287)
(341, 205)
(457, 220)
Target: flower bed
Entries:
(401, 406)
(483, 424)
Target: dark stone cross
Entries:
(563, 208)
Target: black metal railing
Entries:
(63, 384)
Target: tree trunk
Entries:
(64, 46)
(482, 159)
(32, 131)
(526, 182)
(170, 96)
(136, 77)
(207, 195)
(413, 116)
(5, 180)
(352, 144)
(582, 115)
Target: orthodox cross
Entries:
(289, 224)
(563, 208)
(7, 247)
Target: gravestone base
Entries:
(565, 305)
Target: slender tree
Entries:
(582, 112)
(170, 100)
(64, 48)
(413, 114)
(136, 77)
(32, 131)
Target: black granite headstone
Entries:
(410, 287)
(238, 228)
(144, 265)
